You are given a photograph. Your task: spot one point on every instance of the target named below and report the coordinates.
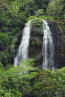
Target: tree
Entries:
(42, 4)
(15, 82)
(56, 8)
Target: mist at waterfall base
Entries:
(47, 47)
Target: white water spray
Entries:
(48, 47)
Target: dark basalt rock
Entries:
(59, 52)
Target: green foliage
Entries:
(42, 4)
(49, 83)
(15, 13)
(16, 80)
(39, 12)
(1, 65)
(25, 80)
(3, 58)
(4, 39)
(56, 8)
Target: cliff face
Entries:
(36, 41)
(58, 30)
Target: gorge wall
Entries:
(36, 40)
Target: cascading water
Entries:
(24, 45)
(48, 47)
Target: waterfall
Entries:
(24, 45)
(48, 47)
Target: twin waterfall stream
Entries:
(47, 46)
